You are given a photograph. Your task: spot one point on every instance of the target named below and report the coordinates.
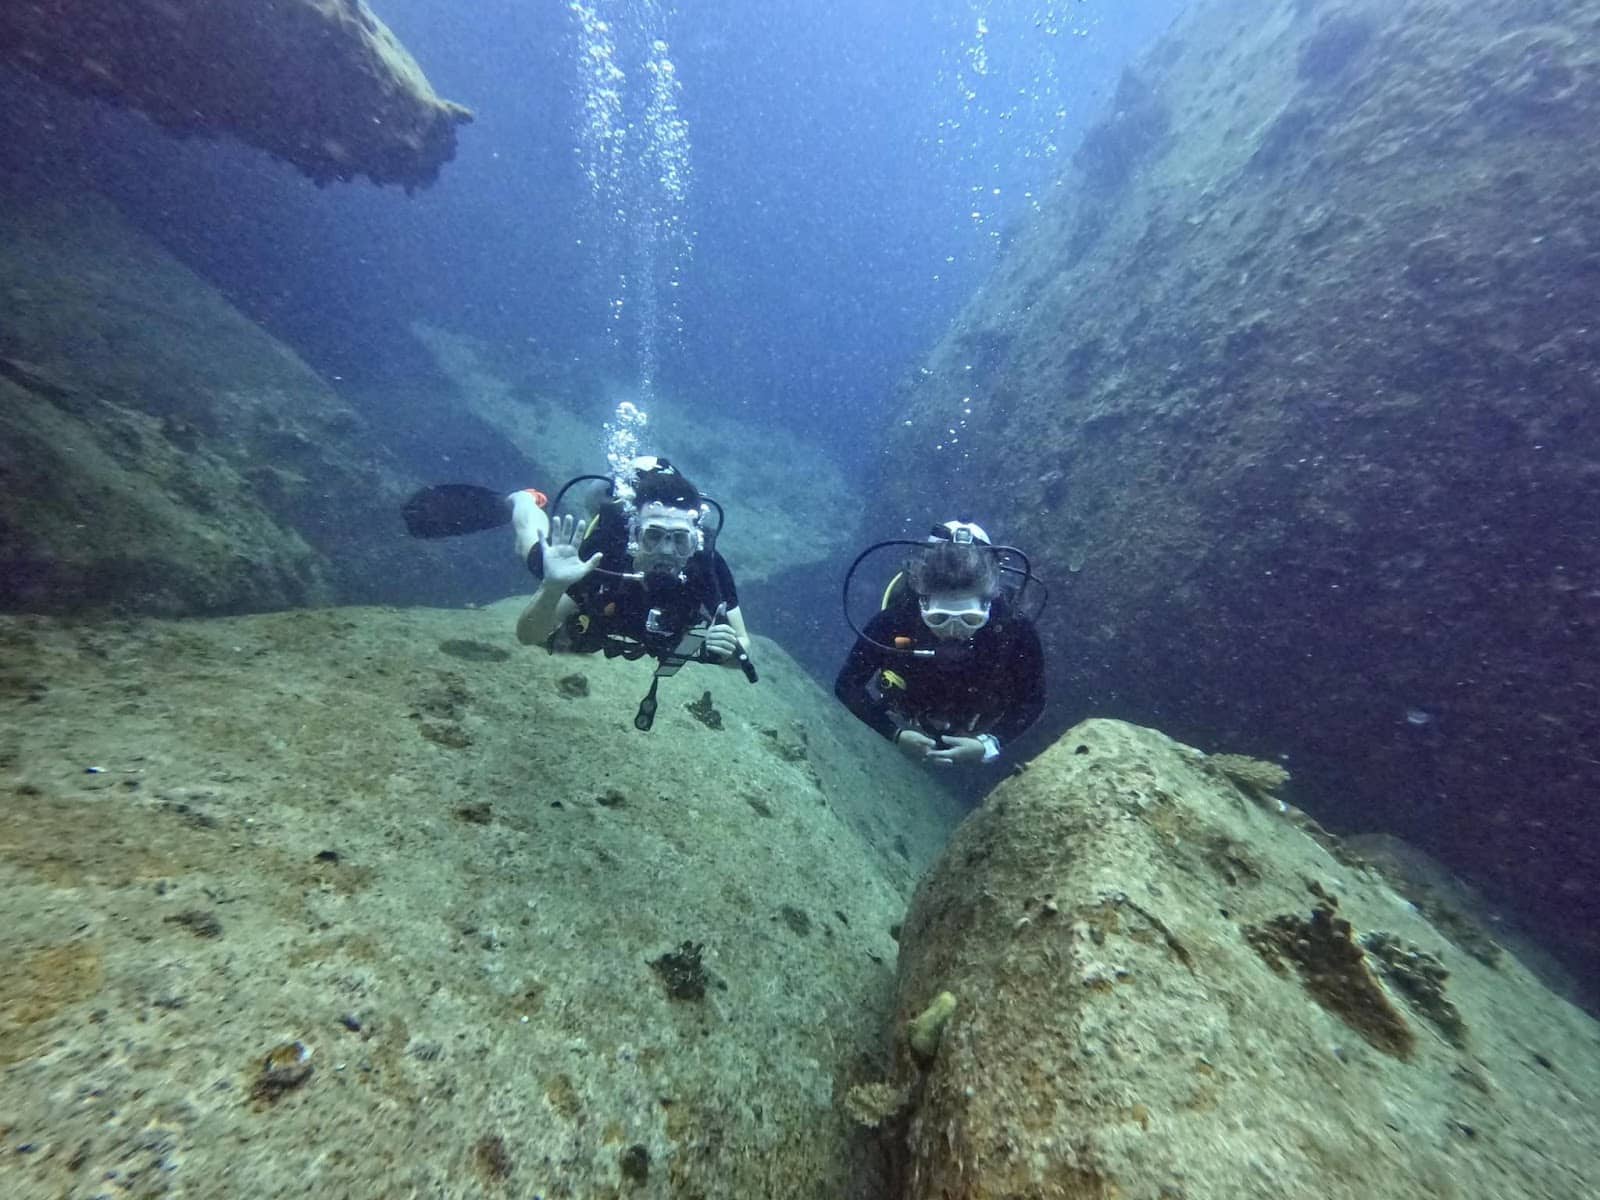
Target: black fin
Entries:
(451, 509)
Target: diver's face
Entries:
(954, 616)
(664, 539)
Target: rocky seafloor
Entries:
(368, 902)
(492, 940)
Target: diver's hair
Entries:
(954, 567)
(665, 487)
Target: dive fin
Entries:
(451, 509)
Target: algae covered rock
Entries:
(548, 955)
(159, 452)
(1139, 1017)
(322, 84)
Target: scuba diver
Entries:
(950, 669)
(642, 577)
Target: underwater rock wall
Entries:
(322, 84)
(366, 902)
(1157, 985)
(1292, 392)
(161, 453)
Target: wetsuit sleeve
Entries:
(851, 685)
(1024, 682)
(727, 592)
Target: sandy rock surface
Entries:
(1166, 989)
(370, 902)
(322, 84)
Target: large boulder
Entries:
(1163, 982)
(159, 452)
(322, 84)
(421, 913)
(1292, 392)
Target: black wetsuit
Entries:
(614, 615)
(991, 683)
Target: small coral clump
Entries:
(682, 971)
(1334, 972)
(872, 1104)
(1420, 977)
(199, 921)
(925, 1029)
(704, 711)
(491, 1158)
(1249, 772)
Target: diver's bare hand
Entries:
(720, 640)
(914, 745)
(957, 750)
(562, 565)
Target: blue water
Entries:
(836, 165)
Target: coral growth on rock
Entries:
(872, 1104)
(1334, 972)
(683, 972)
(1248, 772)
(1420, 978)
(925, 1029)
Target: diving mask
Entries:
(664, 538)
(667, 539)
(954, 616)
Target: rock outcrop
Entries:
(419, 912)
(1292, 395)
(1162, 986)
(159, 452)
(322, 84)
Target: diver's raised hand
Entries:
(563, 566)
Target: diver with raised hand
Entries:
(643, 576)
(950, 668)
